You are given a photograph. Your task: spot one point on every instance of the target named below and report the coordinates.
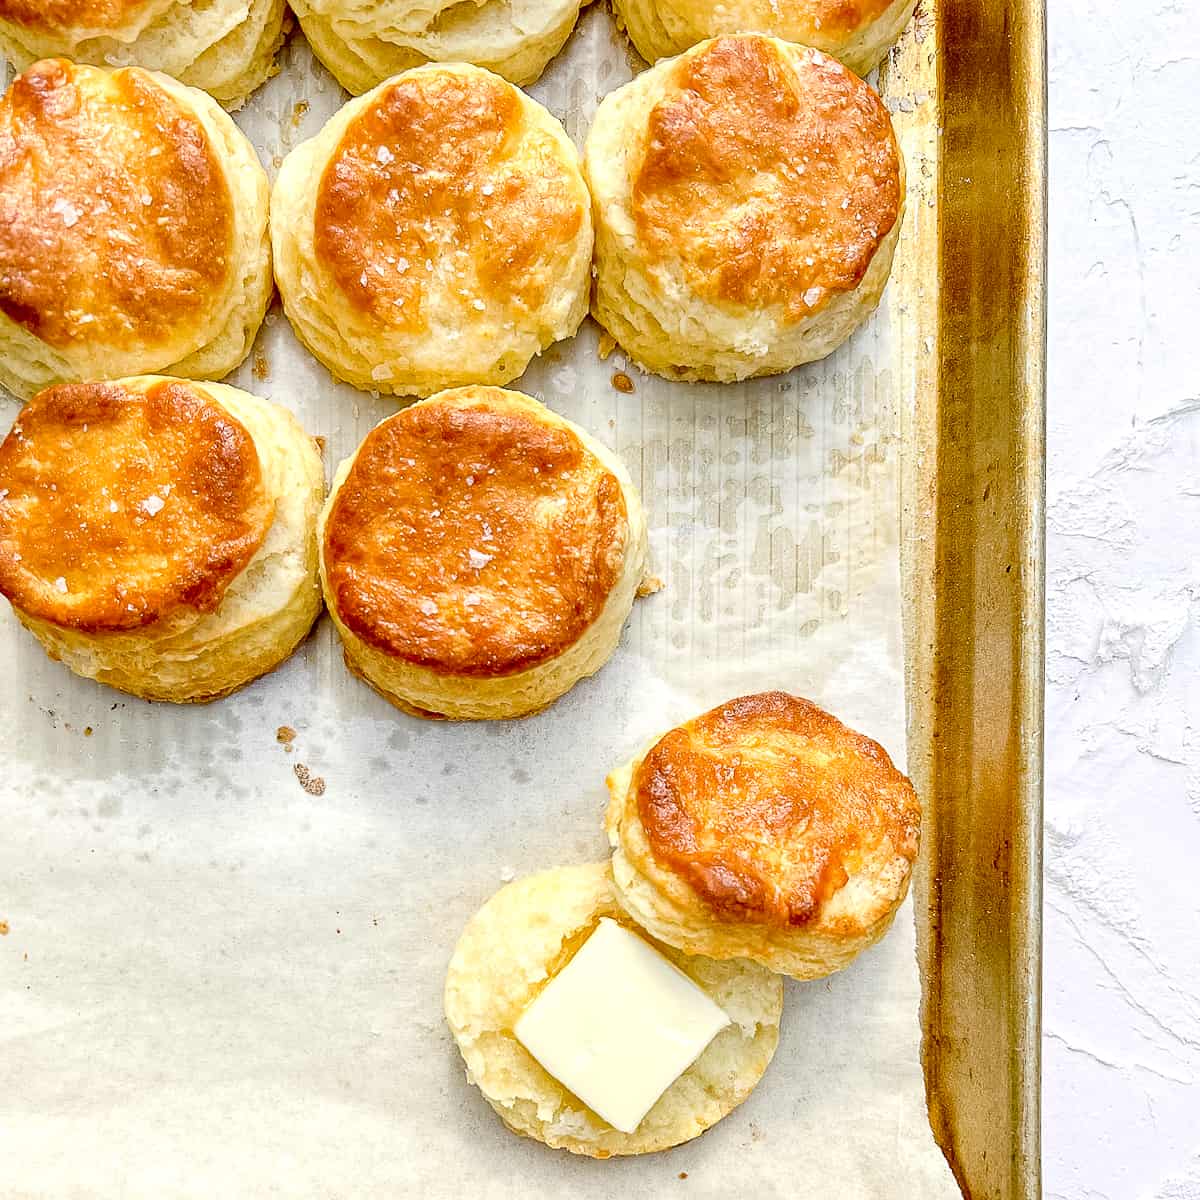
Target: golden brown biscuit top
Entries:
(116, 221)
(121, 505)
(770, 181)
(445, 175)
(473, 536)
(768, 805)
(53, 16)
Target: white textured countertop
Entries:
(1122, 918)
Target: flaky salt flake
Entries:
(66, 210)
(478, 559)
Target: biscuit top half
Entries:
(116, 220)
(768, 805)
(475, 534)
(449, 194)
(122, 504)
(77, 17)
(768, 175)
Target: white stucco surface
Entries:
(1122, 917)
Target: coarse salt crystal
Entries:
(152, 505)
(478, 559)
(113, 506)
(428, 608)
(66, 210)
(61, 584)
(384, 156)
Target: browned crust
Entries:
(769, 181)
(844, 16)
(474, 537)
(116, 220)
(768, 805)
(444, 165)
(122, 506)
(55, 16)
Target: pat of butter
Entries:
(618, 1025)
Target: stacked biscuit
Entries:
(763, 838)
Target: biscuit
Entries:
(363, 44)
(436, 232)
(747, 198)
(858, 33)
(520, 938)
(479, 555)
(226, 47)
(158, 535)
(133, 230)
(764, 829)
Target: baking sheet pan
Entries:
(973, 548)
(223, 965)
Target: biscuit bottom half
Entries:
(520, 939)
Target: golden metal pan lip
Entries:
(973, 523)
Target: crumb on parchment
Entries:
(649, 585)
(314, 785)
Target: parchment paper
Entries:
(216, 982)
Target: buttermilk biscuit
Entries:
(521, 938)
(435, 232)
(747, 199)
(364, 42)
(133, 229)
(479, 555)
(226, 47)
(158, 535)
(764, 829)
(857, 33)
